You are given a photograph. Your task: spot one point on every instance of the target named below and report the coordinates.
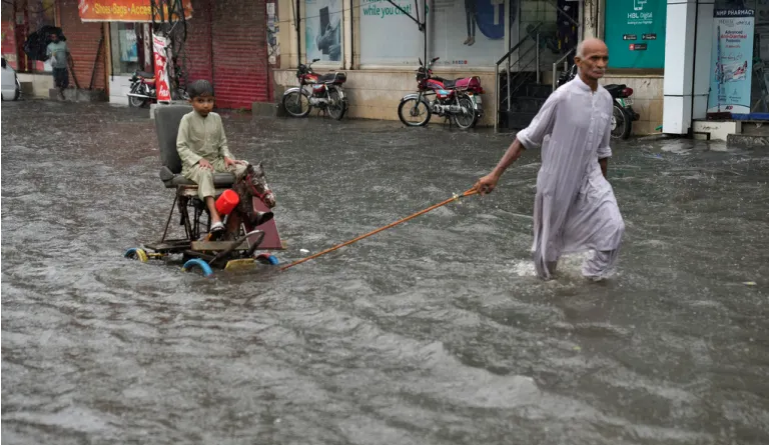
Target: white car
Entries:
(11, 88)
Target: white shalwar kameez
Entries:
(575, 209)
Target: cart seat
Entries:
(167, 119)
(171, 180)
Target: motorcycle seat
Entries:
(167, 120)
(615, 88)
(327, 78)
(145, 74)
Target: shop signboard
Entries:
(635, 33)
(323, 30)
(731, 61)
(123, 10)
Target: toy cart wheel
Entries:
(199, 264)
(136, 253)
(268, 258)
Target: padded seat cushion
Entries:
(171, 180)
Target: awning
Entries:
(124, 10)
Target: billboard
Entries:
(460, 32)
(323, 30)
(731, 60)
(635, 33)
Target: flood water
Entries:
(433, 332)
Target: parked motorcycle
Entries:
(325, 93)
(459, 99)
(623, 115)
(143, 89)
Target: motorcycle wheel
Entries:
(339, 108)
(468, 119)
(411, 108)
(620, 123)
(137, 101)
(292, 102)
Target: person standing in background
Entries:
(58, 54)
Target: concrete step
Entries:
(538, 90)
(515, 120)
(27, 88)
(747, 141)
(527, 104)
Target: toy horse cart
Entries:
(249, 227)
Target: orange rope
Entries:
(347, 243)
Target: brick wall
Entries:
(83, 42)
(227, 44)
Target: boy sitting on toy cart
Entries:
(202, 147)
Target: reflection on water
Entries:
(434, 332)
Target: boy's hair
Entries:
(199, 88)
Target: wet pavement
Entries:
(434, 332)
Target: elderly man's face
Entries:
(595, 58)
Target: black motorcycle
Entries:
(623, 115)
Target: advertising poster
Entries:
(731, 61)
(273, 45)
(129, 51)
(9, 43)
(162, 89)
(635, 33)
(323, 30)
(468, 32)
(387, 36)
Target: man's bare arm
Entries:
(511, 155)
(604, 162)
(487, 183)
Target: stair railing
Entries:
(564, 60)
(509, 79)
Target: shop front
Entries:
(635, 33)
(379, 45)
(20, 18)
(130, 51)
(720, 55)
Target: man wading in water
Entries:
(575, 209)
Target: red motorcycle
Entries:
(323, 91)
(143, 90)
(457, 99)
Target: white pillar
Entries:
(702, 55)
(688, 42)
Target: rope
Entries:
(347, 243)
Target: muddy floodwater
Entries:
(433, 332)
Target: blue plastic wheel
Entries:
(202, 265)
(268, 258)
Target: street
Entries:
(436, 331)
